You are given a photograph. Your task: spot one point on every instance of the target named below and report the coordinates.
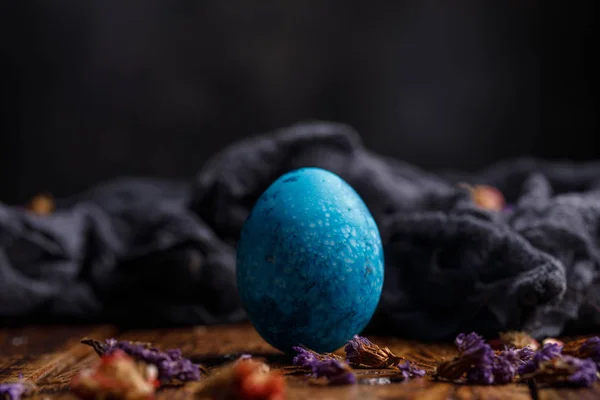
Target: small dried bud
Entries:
(475, 359)
(171, 365)
(361, 351)
(553, 340)
(116, 376)
(244, 379)
(326, 366)
(409, 371)
(16, 390)
(584, 348)
(550, 351)
(564, 370)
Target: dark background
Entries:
(96, 89)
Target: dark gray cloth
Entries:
(148, 252)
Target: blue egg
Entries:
(310, 262)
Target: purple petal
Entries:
(591, 347)
(585, 373)
(409, 371)
(170, 363)
(546, 353)
(481, 375)
(12, 391)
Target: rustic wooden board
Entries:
(51, 356)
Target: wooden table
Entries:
(51, 356)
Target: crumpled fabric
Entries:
(150, 253)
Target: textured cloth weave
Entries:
(147, 252)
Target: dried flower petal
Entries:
(591, 349)
(481, 375)
(584, 348)
(15, 390)
(548, 352)
(409, 371)
(565, 370)
(244, 379)
(305, 358)
(475, 359)
(473, 346)
(505, 365)
(171, 364)
(525, 354)
(519, 340)
(360, 351)
(116, 376)
(335, 370)
(553, 340)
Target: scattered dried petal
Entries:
(565, 370)
(584, 348)
(116, 376)
(16, 390)
(519, 340)
(591, 349)
(335, 370)
(475, 358)
(243, 379)
(410, 371)
(553, 340)
(481, 375)
(171, 365)
(505, 365)
(305, 358)
(525, 354)
(360, 351)
(548, 352)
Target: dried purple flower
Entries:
(409, 371)
(171, 364)
(336, 372)
(525, 354)
(475, 358)
(305, 358)
(591, 349)
(481, 374)
(546, 353)
(505, 365)
(327, 366)
(584, 348)
(560, 343)
(585, 371)
(473, 346)
(360, 351)
(566, 370)
(14, 390)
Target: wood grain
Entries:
(51, 356)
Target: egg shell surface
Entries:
(310, 264)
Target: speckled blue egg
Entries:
(310, 262)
